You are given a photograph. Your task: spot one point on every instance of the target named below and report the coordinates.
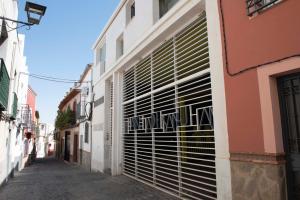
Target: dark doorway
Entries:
(67, 146)
(75, 149)
(289, 95)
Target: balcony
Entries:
(4, 86)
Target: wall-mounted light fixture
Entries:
(35, 12)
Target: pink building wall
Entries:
(31, 102)
(271, 35)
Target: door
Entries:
(289, 94)
(67, 146)
(75, 149)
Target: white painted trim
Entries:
(117, 145)
(223, 170)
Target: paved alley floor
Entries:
(54, 180)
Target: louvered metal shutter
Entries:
(168, 132)
(4, 86)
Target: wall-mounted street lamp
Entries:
(35, 12)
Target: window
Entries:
(132, 10)
(102, 59)
(86, 132)
(3, 34)
(255, 6)
(120, 47)
(165, 6)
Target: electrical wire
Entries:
(232, 74)
(53, 79)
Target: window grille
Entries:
(168, 131)
(86, 132)
(15, 107)
(254, 6)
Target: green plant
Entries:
(65, 119)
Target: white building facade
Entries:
(13, 91)
(44, 140)
(160, 115)
(85, 125)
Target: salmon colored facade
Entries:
(31, 101)
(257, 51)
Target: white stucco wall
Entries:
(132, 31)
(11, 51)
(98, 130)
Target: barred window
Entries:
(86, 132)
(255, 6)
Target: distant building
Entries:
(74, 140)
(85, 126)
(68, 136)
(45, 143)
(31, 106)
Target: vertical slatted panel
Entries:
(168, 133)
(144, 141)
(197, 144)
(143, 77)
(192, 49)
(129, 84)
(163, 65)
(166, 141)
(128, 140)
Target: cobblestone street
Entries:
(51, 179)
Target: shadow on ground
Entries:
(50, 179)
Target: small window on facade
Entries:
(132, 10)
(165, 6)
(86, 132)
(3, 34)
(120, 46)
(255, 6)
(102, 56)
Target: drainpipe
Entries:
(91, 124)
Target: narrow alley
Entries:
(51, 179)
(150, 100)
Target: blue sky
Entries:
(61, 45)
